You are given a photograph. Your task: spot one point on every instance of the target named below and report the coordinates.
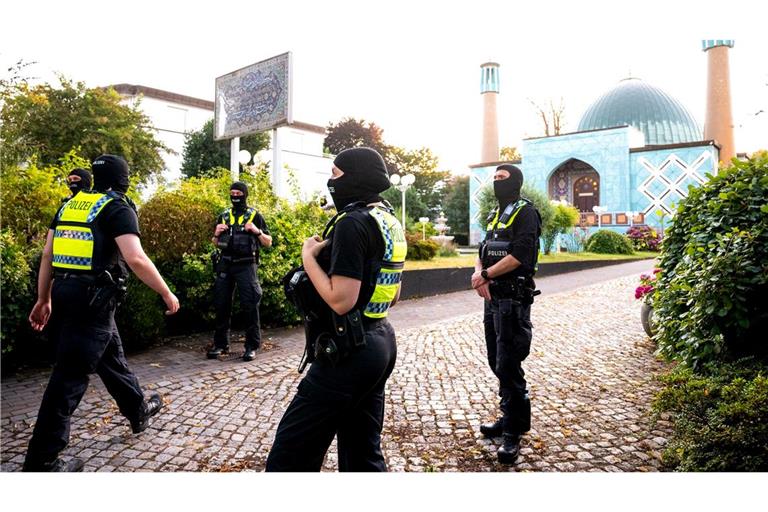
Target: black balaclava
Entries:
(508, 190)
(365, 177)
(239, 202)
(83, 184)
(110, 172)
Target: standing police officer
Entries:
(356, 273)
(504, 278)
(90, 241)
(240, 232)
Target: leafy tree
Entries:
(422, 163)
(509, 154)
(202, 153)
(414, 206)
(352, 133)
(564, 218)
(456, 204)
(47, 122)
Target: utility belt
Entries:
(222, 263)
(105, 292)
(328, 336)
(520, 289)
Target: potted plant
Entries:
(644, 292)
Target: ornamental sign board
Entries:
(253, 99)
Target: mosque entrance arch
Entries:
(576, 182)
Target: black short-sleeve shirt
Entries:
(356, 248)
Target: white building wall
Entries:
(171, 121)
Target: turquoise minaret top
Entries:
(489, 78)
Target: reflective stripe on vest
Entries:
(251, 212)
(513, 209)
(73, 236)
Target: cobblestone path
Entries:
(591, 375)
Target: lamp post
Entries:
(423, 221)
(402, 184)
(599, 210)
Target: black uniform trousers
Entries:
(245, 276)
(508, 341)
(87, 343)
(346, 401)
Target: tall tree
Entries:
(202, 153)
(352, 133)
(456, 204)
(47, 122)
(552, 116)
(509, 154)
(423, 164)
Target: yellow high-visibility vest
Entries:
(390, 274)
(73, 238)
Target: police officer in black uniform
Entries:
(355, 272)
(239, 234)
(504, 278)
(91, 239)
(78, 179)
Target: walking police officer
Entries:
(354, 271)
(91, 239)
(504, 278)
(239, 234)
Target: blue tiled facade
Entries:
(644, 179)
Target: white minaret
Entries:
(718, 125)
(489, 89)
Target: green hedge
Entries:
(18, 294)
(711, 299)
(720, 417)
(606, 241)
(419, 249)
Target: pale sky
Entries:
(411, 67)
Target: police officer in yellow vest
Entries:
(504, 278)
(240, 233)
(91, 239)
(355, 270)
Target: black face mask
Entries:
(343, 192)
(110, 172)
(238, 202)
(83, 184)
(508, 190)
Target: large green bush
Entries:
(182, 248)
(563, 220)
(419, 249)
(711, 300)
(605, 241)
(18, 295)
(720, 417)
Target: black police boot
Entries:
(250, 354)
(492, 429)
(215, 352)
(73, 465)
(149, 409)
(509, 449)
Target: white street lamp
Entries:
(244, 156)
(599, 210)
(402, 184)
(423, 221)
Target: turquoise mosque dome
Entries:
(633, 102)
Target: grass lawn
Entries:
(468, 260)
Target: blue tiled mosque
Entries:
(634, 155)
